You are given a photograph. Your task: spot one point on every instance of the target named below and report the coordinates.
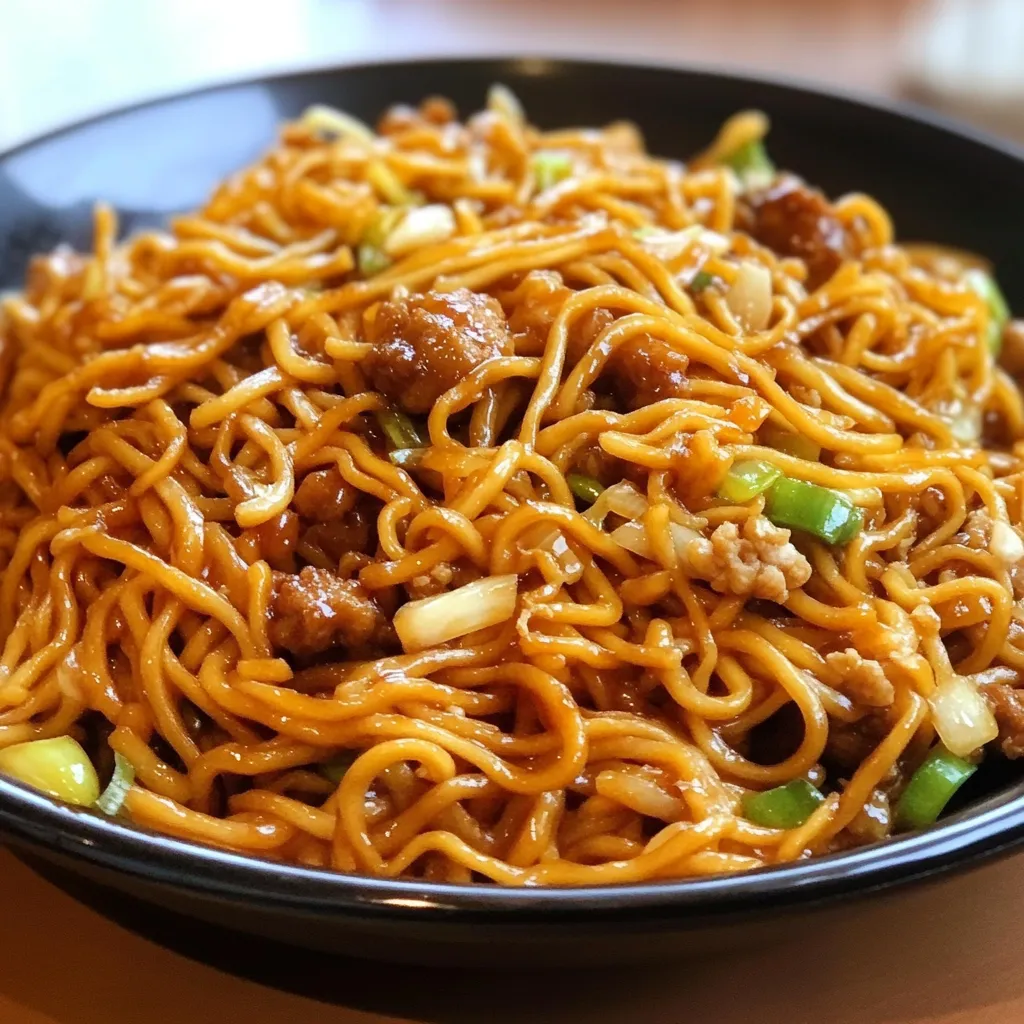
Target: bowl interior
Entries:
(157, 159)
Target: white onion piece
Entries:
(750, 296)
(965, 425)
(436, 620)
(626, 501)
(424, 225)
(556, 544)
(320, 118)
(1005, 543)
(503, 101)
(621, 498)
(962, 717)
(667, 245)
(633, 537)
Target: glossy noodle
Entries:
(469, 502)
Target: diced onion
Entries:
(962, 414)
(626, 501)
(423, 225)
(1005, 543)
(58, 767)
(623, 499)
(503, 101)
(962, 717)
(965, 425)
(667, 245)
(633, 537)
(436, 620)
(750, 296)
(320, 118)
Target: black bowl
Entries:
(940, 184)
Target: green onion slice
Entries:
(550, 167)
(985, 285)
(931, 787)
(585, 487)
(747, 479)
(701, 280)
(112, 798)
(372, 260)
(788, 443)
(787, 806)
(407, 456)
(817, 510)
(401, 431)
(334, 770)
(751, 159)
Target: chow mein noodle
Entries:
(470, 502)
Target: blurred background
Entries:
(64, 59)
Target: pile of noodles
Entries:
(165, 395)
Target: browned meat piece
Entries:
(438, 110)
(794, 220)
(426, 344)
(323, 496)
(275, 540)
(1011, 355)
(850, 743)
(316, 610)
(434, 110)
(355, 534)
(397, 119)
(1008, 706)
(536, 301)
(647, 370)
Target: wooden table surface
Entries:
(952, 952)
(949, 953)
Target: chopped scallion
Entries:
(751, 159)
(817, 510)
(550, 167)
(788, 443)
(931, 787)
(746, 480)
(585, 487)
(334, 770)
(401, 431)
(985, 285)
(112, 798)
(372, 260)
(787, 806)
(701, 280)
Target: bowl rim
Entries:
(991, 828)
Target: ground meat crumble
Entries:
(862, 679)
(315, 610)
(758, 561)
